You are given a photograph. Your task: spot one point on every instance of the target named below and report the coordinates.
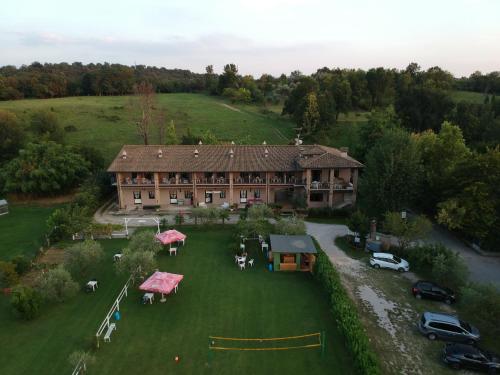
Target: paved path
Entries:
(482, 269)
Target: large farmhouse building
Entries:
(214, 175)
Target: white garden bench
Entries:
(107, 336)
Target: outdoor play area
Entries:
(215, 300)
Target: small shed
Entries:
(292, 253)
(4, 207)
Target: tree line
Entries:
(421, 100)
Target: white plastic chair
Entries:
(250, 262)
(242, 265)
(173, 250)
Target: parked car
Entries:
(447, 327)
(430, 290)
(386, 260)
(459, 356)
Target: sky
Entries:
(259, 36)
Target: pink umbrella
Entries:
(161, 282)
(170, 236)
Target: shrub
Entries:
(481, 303)
(21, 263)
(444, 265)
(56, 285)
(345, 313)
(26, 302)
(406, 230)
(179, 218)
(82, 256)
(292, 226)
(259, 212)
(143, 241)
(8, 274)
(358, 222)
(64, 222)
(136, 263)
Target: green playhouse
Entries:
(292, 253)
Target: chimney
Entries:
(160, 153)
(344, 151)
(200, 142)
(124, 154)
(232, 142)
(231, 153)
(196, 153)
(266, 152)
(264, 143)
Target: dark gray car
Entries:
(447, 327)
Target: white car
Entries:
(386, 260)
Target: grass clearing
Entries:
(22, 230)
(215, 298)
(467, 96)
(106, 123)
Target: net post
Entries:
(209, 354)
(323, 343)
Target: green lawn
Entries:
(22, 230)
(108, 123)
(215, 298)
(467, 96)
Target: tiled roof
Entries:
(182, 158)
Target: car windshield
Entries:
(397, 259)
(465, 326)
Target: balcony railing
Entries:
(173, 181)
(249, 180)
(284, 180)
(213, 181)
(317, 185)
(137, 181)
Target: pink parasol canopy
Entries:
(161, 282)
(170, 236)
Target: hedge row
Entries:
(346, 316)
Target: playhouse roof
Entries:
(292, 244)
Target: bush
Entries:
(66, 221)
(345, 314)
(56, 285)
(26, 302)
(481, 303)
(445, 266)
(292, 226)
(82, 256)
(260, 212)
(21, 263)
(179, 218)
(8, 274)
(144, 241)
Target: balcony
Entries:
(284, 180)
(212, 181)
(317, 185)
(137, 182)
(340, 184)
(249, 180)
(172, 181)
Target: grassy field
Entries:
(22, 230)
(467, 96)
(108, 123)
(215, 298)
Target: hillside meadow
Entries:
(107, 122)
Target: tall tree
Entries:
(229, 78)
(46, 126)
(171, 135)
(145, 103)
(392, 179)
(311, 117)
(12, 135)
